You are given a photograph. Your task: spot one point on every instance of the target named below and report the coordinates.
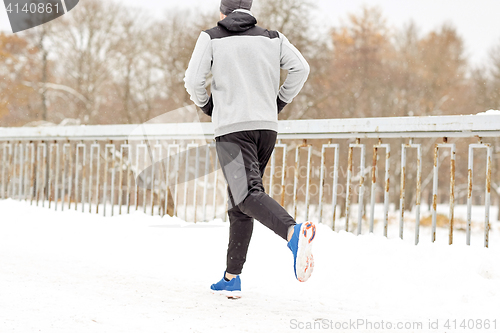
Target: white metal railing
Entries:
(384, 127)
(162, 167)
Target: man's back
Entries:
(245, 62)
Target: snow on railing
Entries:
(159, 167)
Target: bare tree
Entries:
(443, 69)
(360, 75)
(173, 41)
(133, 67)
(83, 45)
(19, 103)
(495, 73)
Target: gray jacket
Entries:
(245, 62)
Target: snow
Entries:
(79, 272)
(489, 113)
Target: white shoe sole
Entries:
(227, 293)
(305, 259)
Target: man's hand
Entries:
(209, 107)
(280, 103)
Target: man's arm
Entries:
(298, 71)
(196, 74)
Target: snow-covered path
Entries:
(76, 272)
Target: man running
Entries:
(245, 62)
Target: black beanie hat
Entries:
(228, 6)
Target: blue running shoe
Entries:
(230, 289)
(301, 245)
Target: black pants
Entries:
(243, 157)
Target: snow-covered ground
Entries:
(489, 113)
(79, 272)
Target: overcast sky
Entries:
(477, 21)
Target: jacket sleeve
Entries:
(198, 69)
(298, 71)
